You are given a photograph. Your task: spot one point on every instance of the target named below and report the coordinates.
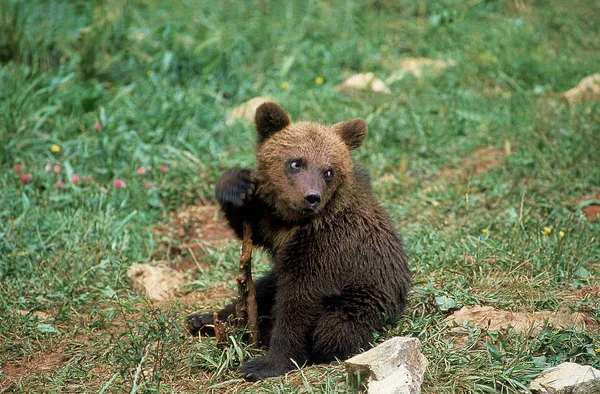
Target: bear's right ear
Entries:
(269, 119)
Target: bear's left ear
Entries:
(269, 119)
(353, 132)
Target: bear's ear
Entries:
(353, 132)
(269, 119)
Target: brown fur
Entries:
(340, 270)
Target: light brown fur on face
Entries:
(322, 148)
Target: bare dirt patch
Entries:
(592, 212)
(43, 363)
(181, 242)
(590, 206)
(478, 162)
(490, 318)
(207, 300)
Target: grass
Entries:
(160, 77)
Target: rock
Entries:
(417, 65)
(395, 366)
(567, 378)
(588, 89)
(366, 81)
(246, 111)
(157, 283)
(487, 317)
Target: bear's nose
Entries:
(313, 198)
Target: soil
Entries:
(476, 163)
(43, 363)
(181, 242)
(591, 211)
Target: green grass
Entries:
(160, 78)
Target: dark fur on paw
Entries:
(264, 367)
(234, 187)
(201, 324)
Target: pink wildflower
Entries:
(119, 184)
(18, 167)
(59, 184)
(74, 179)
(48, 167)
(97, 126)
(25, 178)
(163, 169)
(57, 168)
(142, 170)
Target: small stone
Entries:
(588, 89)
(417, 65)
(247, 110)
(157, 283)
(567, 378)
(395, 366)
(366, 81)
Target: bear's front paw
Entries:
(234, 187)
(264, 367)
(201, 324)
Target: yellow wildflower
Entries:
(285, 85)
(561, 233)
(547, 230)
(319, 80)
(55, 148)
(485, 231)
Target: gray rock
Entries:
(395, 366)
(567, 378)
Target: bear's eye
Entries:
(296, 164)
(329, 174)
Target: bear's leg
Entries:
(201, 323)
(347, 326)
(295, 314)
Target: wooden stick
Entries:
(246, 308)
(220, 329)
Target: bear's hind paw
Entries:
(263, 367)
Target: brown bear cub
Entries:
(339, 268)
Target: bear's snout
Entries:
(312, 198)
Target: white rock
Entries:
(157, 283)
(416, 65)
(588, 89)
(396, 366)
(247, 110)
(366, 81)
(567, 378)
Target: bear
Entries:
(340, 271)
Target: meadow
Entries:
(113, 121)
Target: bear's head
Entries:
(303, 168)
